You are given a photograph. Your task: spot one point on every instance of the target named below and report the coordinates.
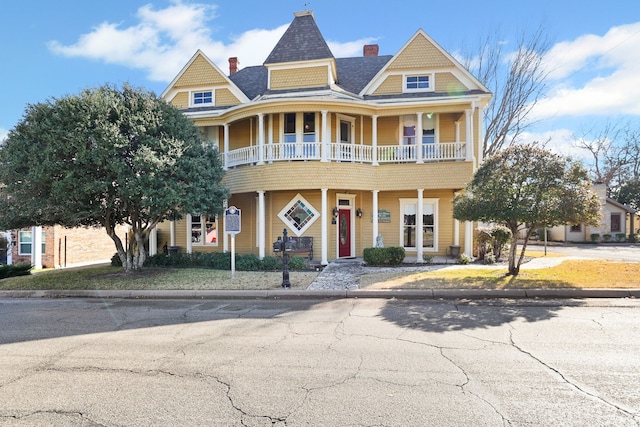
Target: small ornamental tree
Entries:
(525, 187)
(107, 157)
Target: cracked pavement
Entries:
(348, 362)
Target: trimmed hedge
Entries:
(15, 270)
(392, 255)
(222, 261)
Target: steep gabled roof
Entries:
(301, 42)
(439, 56)
(214, 76)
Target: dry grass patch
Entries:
(568, 274)
(107, 277)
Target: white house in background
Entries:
(613, 222)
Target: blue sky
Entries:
(54, 48)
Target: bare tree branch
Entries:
(517, 80)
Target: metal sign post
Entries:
(232, 223)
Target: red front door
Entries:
(344, 233)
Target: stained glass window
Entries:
(298, 214)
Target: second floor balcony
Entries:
(341, 152)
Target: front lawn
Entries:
(567, 274)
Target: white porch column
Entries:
(261, 138)
(9, 248)
(261, 225)
(468, 238)
(419, 154)
(419, 225)
(188, 234)
(270, 140)
(324, 156)
(226, 146)
(479, 140)
(324, 216)
(468, 115)
(374, 144)
(456, 232)
(172, 233)
(153, 241)
(374, 217)
(36, 247)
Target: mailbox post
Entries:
(285, 246)
(285, 260)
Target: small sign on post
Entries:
(232, 223)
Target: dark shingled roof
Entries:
(301, 42)
(251, 80)
(355, 73)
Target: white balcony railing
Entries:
(341, 152)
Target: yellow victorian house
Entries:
(349, 153)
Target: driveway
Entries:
(610, 251)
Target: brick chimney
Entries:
(370, 50)
(233, 65)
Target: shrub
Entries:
(621, 237)
(595, 237)
(116, 261)
(271, 263)
(490, 259)
(464, 259)
(427, 258)
(297, 263)
(15, 270)
(484, 241)
(633, 238)
(500, 236)
(248, 262)
(606, 237)
(222, 261)
(392, 255)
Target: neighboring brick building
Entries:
(342, 150)
(63, 247)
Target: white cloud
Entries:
(594, 75)
(560, 141)
(3, 134)
(165, 39)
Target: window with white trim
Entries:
(409, 224)
(202, 98)
(204, 230)
(418, 83)
(25, 242)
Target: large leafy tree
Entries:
(524, 187)
(109, 156)
(630, 194)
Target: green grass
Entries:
(107, 277)
(568, 274)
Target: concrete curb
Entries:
(406, 294)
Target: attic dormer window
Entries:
(418, 83)
(202, 98)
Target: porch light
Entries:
(359, 213)
(335, 212)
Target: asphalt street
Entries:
(344, 362)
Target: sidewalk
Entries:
(404, 294)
